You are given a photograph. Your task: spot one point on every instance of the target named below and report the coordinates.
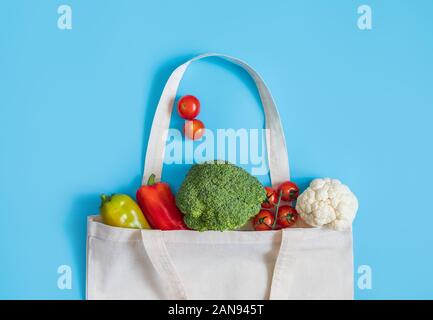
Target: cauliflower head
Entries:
(328, 203)
(218, 195)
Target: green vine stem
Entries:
(276, 210)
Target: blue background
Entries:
(76, 108)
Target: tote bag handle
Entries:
(275, 143)
(154, 245)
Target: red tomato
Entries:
(188, 107)
(290, 191)
(264, 220)
(271, 198)
(193, 129)
(287, 216)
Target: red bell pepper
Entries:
(159, 206)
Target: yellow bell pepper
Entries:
(120, 210)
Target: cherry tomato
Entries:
(264, 220)
(290, 191)
(193, 129)
(188, 107)
(287, 216)
(271, 198)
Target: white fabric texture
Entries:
(312, 263)
(293, 263)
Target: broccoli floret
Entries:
(218, 195)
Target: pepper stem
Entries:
(151, 180)
(105, 198)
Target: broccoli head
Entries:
(218, 195)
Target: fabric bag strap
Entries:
(276, 146)
(281, 277)
(154, 245)
(159, 257)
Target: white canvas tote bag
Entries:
(293, 263)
